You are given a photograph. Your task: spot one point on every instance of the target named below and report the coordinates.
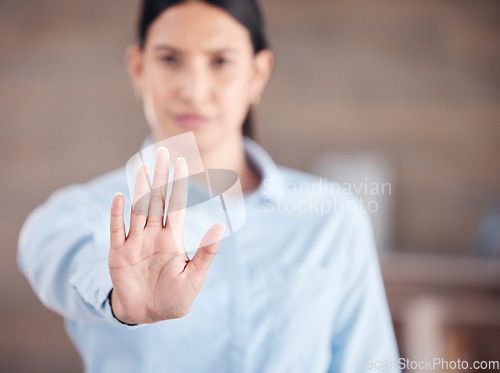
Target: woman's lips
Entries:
(191, 121)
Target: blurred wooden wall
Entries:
(417, 81)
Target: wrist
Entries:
(116, 310)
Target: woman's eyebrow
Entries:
(221, 50)
(166, 47)
(161, 47)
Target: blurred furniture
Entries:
(444, 306)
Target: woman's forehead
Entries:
(198, 25)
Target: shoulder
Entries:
(76, 207)
(98, 187)
(91, 197)
(334, 198)
(323, 204)
(326, 211)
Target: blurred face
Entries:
(197, 72)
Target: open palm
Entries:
(152, 275)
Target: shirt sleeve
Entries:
(62, 260)
(363, 337)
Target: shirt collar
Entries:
(272, 184)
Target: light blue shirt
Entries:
(297, 289)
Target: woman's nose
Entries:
(194, 85)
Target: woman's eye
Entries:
(221, 61)
(169, 59)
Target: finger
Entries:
(139, 208)
(197, 267)
(117, 226)
(158, 192)
(178, 198)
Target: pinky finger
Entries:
(117, 226)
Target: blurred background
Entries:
(363, 91)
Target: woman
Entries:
(294, 291)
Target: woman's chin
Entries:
(206, 139)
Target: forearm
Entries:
(57, 254)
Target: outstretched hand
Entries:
(152, 275)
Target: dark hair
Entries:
(246, 12)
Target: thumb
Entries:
(197, 267)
